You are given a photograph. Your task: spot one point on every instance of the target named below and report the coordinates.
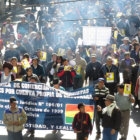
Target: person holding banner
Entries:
(56, 85)
(29, 74)
(111, 74)
(111, 118)
(31, 119)
(124, 99)
(125, 47)
(38, 69)
(14, 118)
(82, 123)
(6, 76)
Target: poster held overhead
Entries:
(99, 36)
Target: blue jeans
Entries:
(15, 135)
(107, 134)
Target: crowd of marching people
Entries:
(45, 49)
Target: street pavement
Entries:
(134, 131)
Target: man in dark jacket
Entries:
(111, 74)
(111, 118)
(126, 67)
(92, 70)
(100, 93)
(82, 123)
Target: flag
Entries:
(72, 109)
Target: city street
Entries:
(134, 126)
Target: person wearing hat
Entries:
(125, 47)
(111, 118)
(93, 70)
(124, 104)
(126, 67)
(14, 61)
(37, 68)
(14, 118)
(111, 74)
(11, 52)
(135, 53)
(82, 125)
(6, 76)
(6, 30)
(100, 92)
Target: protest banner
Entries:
(52, 109)
(99, 36)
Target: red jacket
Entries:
(66, 77)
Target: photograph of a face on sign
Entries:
(99, 36)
